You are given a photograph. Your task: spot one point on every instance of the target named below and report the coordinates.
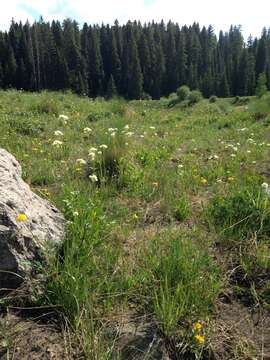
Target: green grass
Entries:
(171, 184)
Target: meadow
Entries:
(168, 220)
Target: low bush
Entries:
(213, 99)
(194, 97)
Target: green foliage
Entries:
(185, 289)
(26, 126)
(183, 92)
(195, 97)
(260, 108)
(241, 214)
(128, 246)
(48, 106)
(261, 88)
(213, 99)
(181, 209)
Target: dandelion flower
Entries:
(198, 326)
(204, 181)
(58, 133)
(21, 217)
(199, 339)
(93, 178)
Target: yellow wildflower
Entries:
(199, 339)
(198, 326)
(231, 178)
(204, 181)
(21, 217)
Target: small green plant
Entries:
(213, 99)
(181, 210)
(183, 93)
(194, 97)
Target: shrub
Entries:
(48, 106)
(183, 93)
(213, 99)
(194, 97)
(146, 96)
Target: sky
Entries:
(253, 16)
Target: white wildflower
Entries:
(81, 161)
(152, 127)
(75, 213)
(57, 143)
(93, 149)
(129, 134)
(87, 131)
(58, 133)
(93, 178)
(265, 185)
(266, 188)
(63, 117)
(126, 127)
(111, 130)
(99, 152)
(92, 155)
(103, 146)
(233, 155)
(113, 134)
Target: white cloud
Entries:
(220, 14)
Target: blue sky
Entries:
(220, 14)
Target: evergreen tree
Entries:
(111, 88)
(261, 87)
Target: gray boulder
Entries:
(23, 243)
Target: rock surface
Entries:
(23, 242)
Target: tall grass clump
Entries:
(241, 214)
(185, 284)
(82, 278)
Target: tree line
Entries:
(131, 60)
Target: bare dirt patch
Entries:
(30, 339)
